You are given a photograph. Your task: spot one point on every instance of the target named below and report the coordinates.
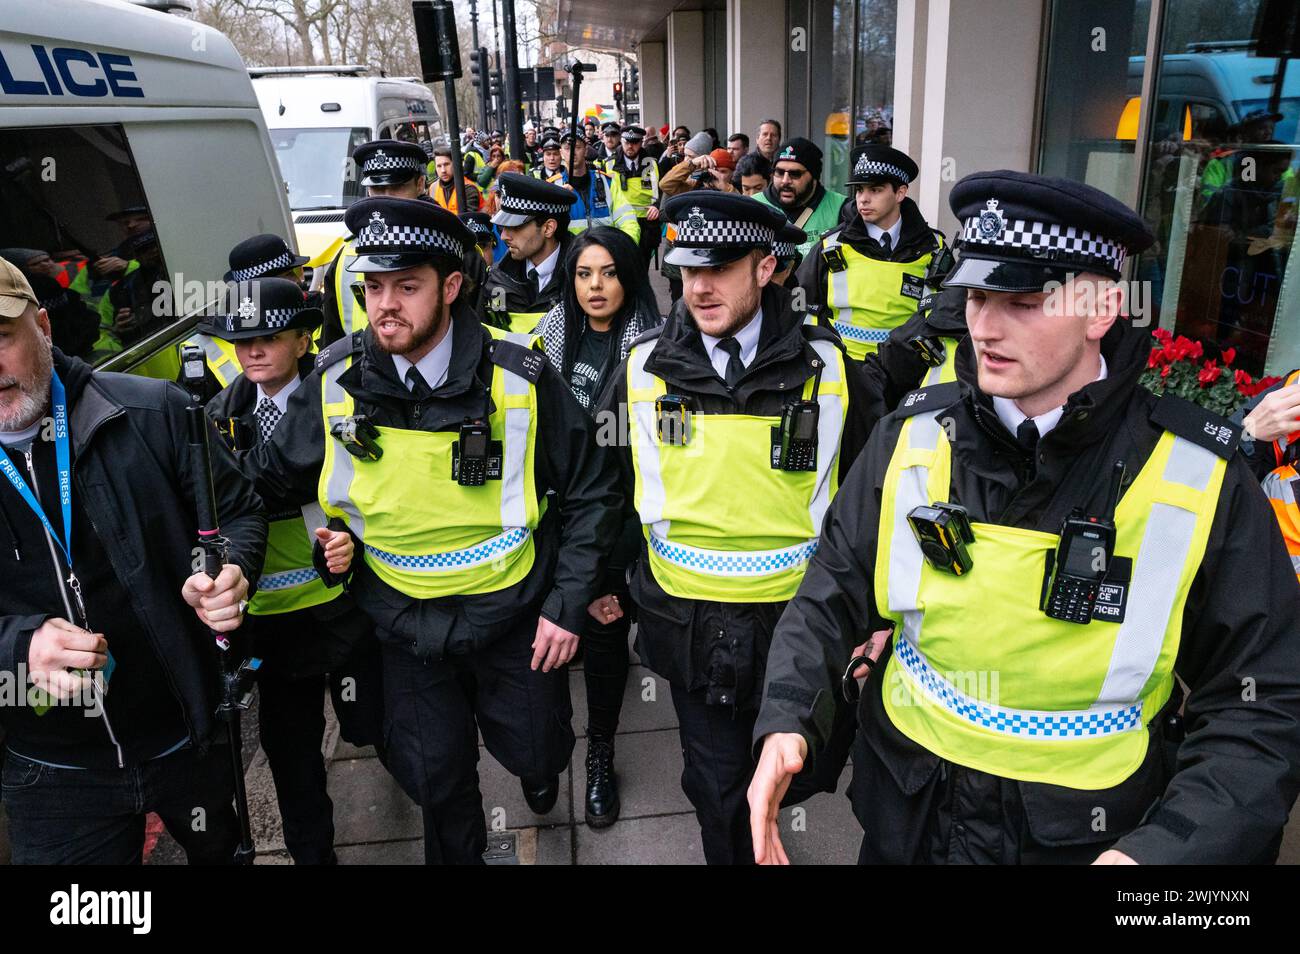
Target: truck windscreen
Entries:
(314, 164)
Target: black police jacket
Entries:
(306, 642)
(896, 366)
(1226, 794)
(132, 475)
(679, 639)
(509, 290)
(571, 541)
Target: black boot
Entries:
(541, 795)
(602, 785)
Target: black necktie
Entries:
(536, 278)
(735, 367)
(415, 381)
(267, 415)
(1027, 435)
(885, 243)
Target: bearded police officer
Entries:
(529, 279)
(1029, 709)
(638, 180)
(387, 167)
(308, 632)
(742, 419)
(867, 276)
(471, 476)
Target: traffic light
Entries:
(477, 66)
(618, 92)
(496, 83)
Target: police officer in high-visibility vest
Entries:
(385, 167)
(1030, 707)
(601, 200)
(261, 256)
(607, 153)
(867, 276)
(529, 279)
(471, 477)
(638, 179)
(308, 632)
(1271, 443)
(742, 421)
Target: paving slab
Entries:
(503, 799)
(369, 806)
(647, 703)
(649, 769)
(660, 840)
(408, 852)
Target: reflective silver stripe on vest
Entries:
(514, 503)
(346, 300)
(1162, 555)
(840, 293)
(222, 366)
(338, 489)
(830, 421)
(651, 506)
(932, 376)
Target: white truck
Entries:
(317, 115)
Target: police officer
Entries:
(607, 152)
(868, 275)
(601, 200)
(1029, 709)
(529, 279)
(742, 421)
(308, 632)
(386, 167)
(638, 180)
(464, 465)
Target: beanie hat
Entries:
(701, 144)
(723, 159)
(802, 151)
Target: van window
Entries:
(313, 163)
(74, 218)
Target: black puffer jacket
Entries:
(1237, 774)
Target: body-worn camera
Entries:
(673, 412)
(359, 437)
(237, 434)
(1076, 569)
(941, 263)
(930, 349)
(943, 530)
(794, 440)
(475, 457)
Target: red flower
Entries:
(1208, 374)
(1164, 372)
(1240, 377)
(1153, 359)
(1163, 335)
(1228, 354)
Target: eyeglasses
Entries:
(794, 174)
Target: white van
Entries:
(117, 121)
(317, 115)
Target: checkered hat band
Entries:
(726, 563)
(400, 238)
(272, 318)
(1077, 724)
(1049, 236)
(287, 580)
(870, 167)
(724, 233)
(277, 264)
(522, 206)
(783, 250)
(484, 552)
(392, 164)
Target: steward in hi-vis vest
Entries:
(1271, 442)
(529, 279)
(483, 508)
(741, 422)
(387, 167)
(1057, 551)
(867, 276)
(309, 632)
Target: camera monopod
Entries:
(236, 678)
(575, 70)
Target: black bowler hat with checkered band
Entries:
(714, 228)
(786, 246)
(877, 164)
(262, 256)
(383, 162)
(480, 223)
(261, 307)
(524, 198)
(393, 234)
(1022, 232)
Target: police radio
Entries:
(673, 412)
(471, 453)
(1076, 569)
(359, 437)
(794, 440)
(943, 530)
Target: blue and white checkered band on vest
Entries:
(870, 167)
(377, 237)
(277, 264)
(695, 231)
(992, 228)
(383, 162)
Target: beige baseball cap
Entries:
(15, 292)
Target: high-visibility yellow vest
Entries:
(641, 191)
(1280, 487)
(867, 296)
(523, 322)
(351, 313)
(981, 677)
(220, 356)
(289, 580)
(424, 534)
(946, 371)
(720, 522)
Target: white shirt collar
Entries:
(895, 231)
(281, 398)
(432, 367)
(748, 338)
(1011, 416)
(545, 269)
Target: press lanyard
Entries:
(62, 456)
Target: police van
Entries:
(317, 115)
(133, 156)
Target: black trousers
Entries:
(649, 241)
(717, 768)
(604, 670)
(291, 723)
(433, 711)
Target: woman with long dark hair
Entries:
(607, 304)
